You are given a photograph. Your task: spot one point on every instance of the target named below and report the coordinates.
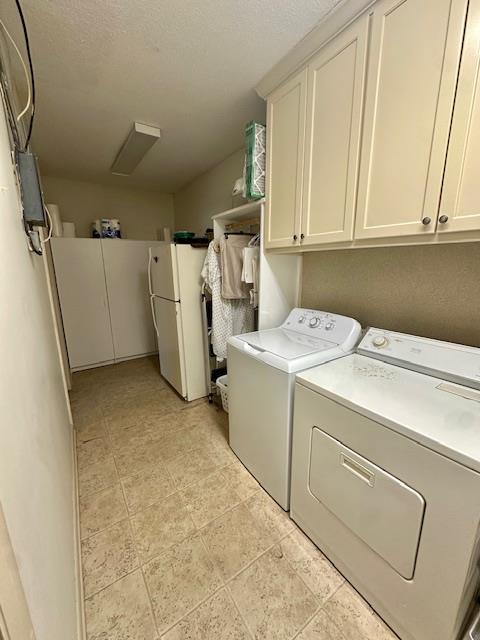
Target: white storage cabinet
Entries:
(103, 291)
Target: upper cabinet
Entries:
(414, 53)
(460, 204)
(285, 155)
(336, 78)
(377, 138)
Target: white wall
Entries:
(36, 474)
(142, 214)
(210, 193)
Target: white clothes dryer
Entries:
(386, 476)
(261, 377)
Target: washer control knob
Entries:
(329, 326)
(314, 322)
(380, 341)
(301, 319)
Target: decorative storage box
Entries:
(255, 144)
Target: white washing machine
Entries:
(261, 378)
(386, 476)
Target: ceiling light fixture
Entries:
(140, 139)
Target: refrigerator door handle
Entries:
(150, 275)
(152, 298)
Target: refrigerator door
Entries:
(170, 343)
(163, 276)
(190, 262)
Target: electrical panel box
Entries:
(32, 199)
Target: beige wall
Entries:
(432, 291)
(36, 464)
(142, 214)
(208, 194)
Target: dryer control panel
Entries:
(340, 330)
(445, 360)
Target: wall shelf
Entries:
(243, 212)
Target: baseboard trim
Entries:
(81, 627)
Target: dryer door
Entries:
(379, 508)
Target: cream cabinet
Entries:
(104, 299)
(336, 78)
(285, 156)
(82, 291)
(414, 55)
(460, 204)
(377, 139)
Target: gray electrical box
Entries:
(32, 198)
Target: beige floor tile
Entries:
(136, 456)
(129, 437)
(97, 476)
(121, 611)
(179, 442)
(162, 402)
(146, 487)
(108, 556)
(162, 424)
(162, 525)
(321, 628)
(272, 517)
(122, 419)
(100, 510)
(240, 480)
(216, 619)
(180, 579)
(354, 617)
(273, 600)
(92, 451)
(235, 539)
(192, 467)
(311, 565)
(209, 498)
(219, 450)
(90, 431)
(213, 424)
(168, 422)
(84, 415)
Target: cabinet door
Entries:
(285, 154)
(126, 263)
(415, 50)
(82, 292)
(460, 204)
(334, 116)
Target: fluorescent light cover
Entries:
(138, 142)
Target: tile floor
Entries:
(178, 540)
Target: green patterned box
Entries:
(255, 144)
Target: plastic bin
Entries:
(222, 384)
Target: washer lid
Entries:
(286, 344)
(440, 415)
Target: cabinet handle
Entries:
(295, 238)
(426, 220)
(301, 236)
(443, 219)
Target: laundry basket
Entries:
(222, 384)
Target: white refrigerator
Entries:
(176, 299)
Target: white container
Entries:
(222, 384)
(69, 229)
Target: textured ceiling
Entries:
(186, 66)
